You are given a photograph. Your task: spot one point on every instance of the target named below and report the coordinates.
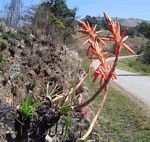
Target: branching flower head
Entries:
(104, 71)
(96, 46)
(114, 28)
(95, 50)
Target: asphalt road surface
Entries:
(137, 85)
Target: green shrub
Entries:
(2, 25)
(1, 57)
(147, 53)
(14, 34)
(144, 28)
(3, 44)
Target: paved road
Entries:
(137, 85)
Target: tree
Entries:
(147, 53)
(103, 23)
(132, 31)
(54, 19)
(100, 22)
(144, 28)
(14, 13)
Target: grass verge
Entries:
(134, 65)
(122, 119)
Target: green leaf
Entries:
(27, 107)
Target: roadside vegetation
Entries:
(42, 82)
(134, 64)
(122, 119)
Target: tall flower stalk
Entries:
(104, 71)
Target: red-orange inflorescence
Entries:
(104, 71)
(96, 45)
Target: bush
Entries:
(144, 28)
(3, 44)
(14, 34)
(147, 53)
(132, 31)
(2, 25)
(1, 57)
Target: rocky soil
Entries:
(29, 70)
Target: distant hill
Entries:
(130, 22)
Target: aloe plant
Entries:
(27, 107)
(105, 71)
(14, 70)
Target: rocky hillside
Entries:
(35, 67)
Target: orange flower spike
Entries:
(124, 33)
(124, 39)
(118, 36)
(82, 24)
(88, 26)
(90, 31)
(108, 56)
(95, 76)
(128, 48)
(107, 39)
(98, 32)
(108, 20)
(101, 80)
(97, 47)
(83, 36)
(94, 27)
(88, 50)
(87, 41)
(114, 76)
(98, 72)
(114, 28)
(101, 41)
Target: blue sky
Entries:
(115, 8)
